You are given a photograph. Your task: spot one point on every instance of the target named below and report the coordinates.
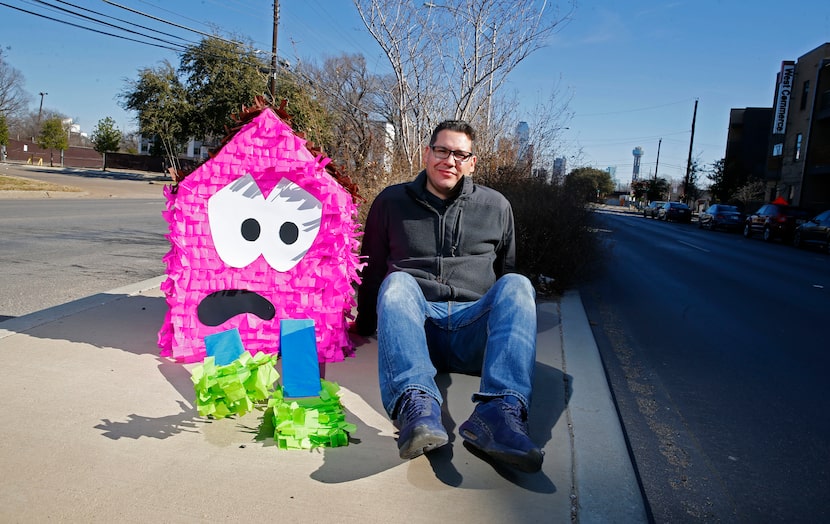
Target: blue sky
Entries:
(633, 69)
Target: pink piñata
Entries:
(259, 233)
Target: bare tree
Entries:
(451, 58)
(130, 142)
(27, 124)
(490, 38)
(349, 93)
(752, 191)
(503, 152)
(398, 28)
(547, 123)
(13, 99)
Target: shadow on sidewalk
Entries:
(124, 323)
(129, 324)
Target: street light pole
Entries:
(659, 143)
(689, 161)
(490, 80)
(40, 111)
(272, 82)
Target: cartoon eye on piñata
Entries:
(245, 225)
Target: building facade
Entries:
(746, 144)
(798, 156)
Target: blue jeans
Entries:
(493, 337)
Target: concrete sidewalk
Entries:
(101, 429)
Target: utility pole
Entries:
(659, 143)
(490, 80)
(272, 82)
(689, 161)
(40, 111)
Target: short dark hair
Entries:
(453, 125)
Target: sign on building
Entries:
(783, 95)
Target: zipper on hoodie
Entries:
(442, 223)
(456, 230)
(456, 234)
(439, 266)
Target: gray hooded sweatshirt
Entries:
(455, 249)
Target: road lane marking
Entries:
(694, 246)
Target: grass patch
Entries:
(13, 183)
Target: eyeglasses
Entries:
(442, 153)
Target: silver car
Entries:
(720, 216)
(815, 232)
(650, 211)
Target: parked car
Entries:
(674, 212)
(815, 231)
(720, 216)
(775, 221)
(650, 211)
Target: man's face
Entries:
(444, 175)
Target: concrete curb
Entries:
(604, 481)
(44, 316)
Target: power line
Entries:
(629, 140)
(176, 49)
(107, 24)
(250, 11)
(637, 109)
(172, 46)
(124, 21)
(160, 8)
(162, 20)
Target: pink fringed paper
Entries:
(318, 287)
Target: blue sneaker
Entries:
(498, 428)
(421, 431)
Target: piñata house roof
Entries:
(249, 113)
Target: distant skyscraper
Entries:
(560, 164)
(638, 153)
(523, 140)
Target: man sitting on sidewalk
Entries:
(438, 289)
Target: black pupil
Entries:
(250, 229)
(289, 232)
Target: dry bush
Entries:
(553, 237)
(371, 181)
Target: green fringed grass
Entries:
(235, 388)
(298, 423)
(310, 422)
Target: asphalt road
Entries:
(716, 350)
(58, 247)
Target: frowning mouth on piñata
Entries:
(221, 306)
